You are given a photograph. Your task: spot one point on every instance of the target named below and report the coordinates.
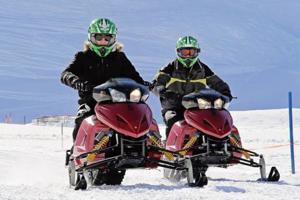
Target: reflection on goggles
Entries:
(99, 37)
(188, 52)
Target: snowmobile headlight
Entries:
(218, 103)
(135, 95)
(203, 104)
(189, 104)
(117, 96)
(101, 96)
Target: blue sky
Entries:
(253, 45)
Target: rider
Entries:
(101, 60)
(182, 76)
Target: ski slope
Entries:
(32, 166)
(253, 45)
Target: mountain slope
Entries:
(253, 45)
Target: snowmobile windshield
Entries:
(205, 99)
(121, 90)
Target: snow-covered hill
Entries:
(254, 45)
(32, 166)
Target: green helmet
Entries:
(106, 27)
(189, 43)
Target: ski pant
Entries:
(83, 112)
(170, 117)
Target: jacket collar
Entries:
(179, 66)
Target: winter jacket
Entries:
(88, 66)
(180, 80)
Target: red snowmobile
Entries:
(121, 135)
(207, 137)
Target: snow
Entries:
(32, 165)
(252, 45)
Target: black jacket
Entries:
(181, 80)
(88, 66)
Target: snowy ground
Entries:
(32, 166)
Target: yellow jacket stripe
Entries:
(173, 80)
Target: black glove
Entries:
(149, 85)
(157, 90)
(82, 86)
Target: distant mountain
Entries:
(265, 89)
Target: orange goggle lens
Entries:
(188, 52)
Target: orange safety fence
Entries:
(274, 146)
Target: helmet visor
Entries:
(188, 52)
(102, 39)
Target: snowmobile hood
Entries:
(131, 119)
(212, 122)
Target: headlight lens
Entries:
(203, 104)
(117, 96)
(101, 96)
(218, 103)
(189, 104)
(135, 95)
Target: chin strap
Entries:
(103, 51)
(187, 62)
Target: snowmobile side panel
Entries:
(179, 132)
(86, 134)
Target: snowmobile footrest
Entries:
(273, 175)
(81, 184)
(68, 154)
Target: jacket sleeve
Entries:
(130, 71)
(73, 71)
(215, 82)
(161, 79)
(219, 85)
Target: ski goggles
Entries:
(188, 52)
(94, 37)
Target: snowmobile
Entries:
(207, 137)
(121, 135)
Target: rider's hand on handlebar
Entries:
(148, 84)
(83, 86)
